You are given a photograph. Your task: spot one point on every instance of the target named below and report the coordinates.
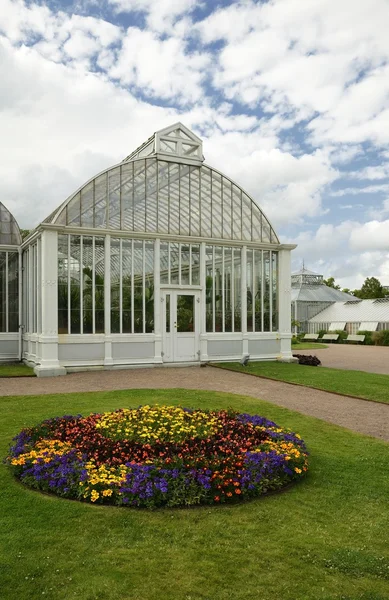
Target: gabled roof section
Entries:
(9, 229)
(175, 142)
(359, 312)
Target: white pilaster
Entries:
(284, 306)
(48, 340)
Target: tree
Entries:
(330, 282)
(24, 233)
(371, 288)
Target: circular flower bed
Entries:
(158, 456)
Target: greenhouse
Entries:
(160, 259)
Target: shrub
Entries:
(308, 360)
(342, 335)
(368, 337)
(381, 338)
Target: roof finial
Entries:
(303, 265)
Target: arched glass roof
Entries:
(164, 187)
(9, 229)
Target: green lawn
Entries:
(370, 386)
(323, 539)
(16, 370)
(308, 346)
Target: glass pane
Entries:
(275, 291)
(184, 200)
(139, 196)
(87, 205)
(13, 295)
(209, 288)
(194, 201)
(174, 263)
(258, 290)
(167, 313)
(174, 197)
(185, 264)
(218, 288)
(249, 291)
(195, 265)
(99, 252)
(149, 287)
(205, 193)
(164, 258)
(266, 291)
(237, 261)
(228, 290)
(185, 313)
(151, 196)
(114, 198)
(3, 292)
(126, 279)
(138, 287)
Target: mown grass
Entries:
(308, 346)
(323, 539)
(370, 386)
(15, 370)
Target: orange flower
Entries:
(217, 498)
(237, 491)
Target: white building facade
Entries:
(160, 259)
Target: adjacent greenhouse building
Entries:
(159, 259)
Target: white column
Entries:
(285, 306)
(48, 340)
(108, 360)
(202, 306)
(245, 346)
(158, 306)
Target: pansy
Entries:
(158, 456)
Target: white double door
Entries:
(180, 325)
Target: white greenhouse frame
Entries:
(158, 260)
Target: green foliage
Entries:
(368, 337)
(330, 282)
(342, 335)
(381, 338)
(371, 288)
(24, 233)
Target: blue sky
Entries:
(290, 97)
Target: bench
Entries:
(329, 337)
(311, 336)
(355, 338)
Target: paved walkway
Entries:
(374, 359)
(369, 418)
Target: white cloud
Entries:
(373, 235)
(160, 67)
(324, 59)
(161, 15)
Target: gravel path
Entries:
(373, 359)
(369, 418)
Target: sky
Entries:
(290, 98)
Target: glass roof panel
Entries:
(9, 229)
(155, 195)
